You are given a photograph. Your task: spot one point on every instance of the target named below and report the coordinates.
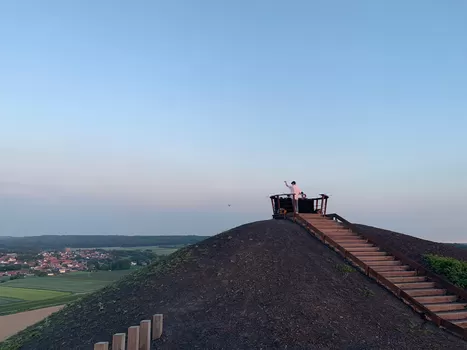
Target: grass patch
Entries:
(344, 268)
(29, 294)
(367, 292)
(454, 270)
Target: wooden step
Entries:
(318, 222)
(389, 274)
(383, 263)
(446, 306)
(351, 246)
(332, 228)
(416, 285)
(337, 232)
(370, 258)
(407, 279)
(390, 268)
(334, 232)
(425, 292)
(329, 226)
(363, 249)
(314, 215)
(335, 235)
(354, 244)
(322, 221)
(436, 299)
(350, 239)
(369, 254)
(453, 315)
(345, 242)
(326, 222)
(461, 323)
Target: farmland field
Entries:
(5, 300)
(15, 323)
(37, 292)
(75, 282)
(29, 294)
(14, 308)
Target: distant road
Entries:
(12, 324)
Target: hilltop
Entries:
(267, 285)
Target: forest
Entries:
(59, 242)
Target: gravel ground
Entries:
(264, 285)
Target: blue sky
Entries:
(151, 116)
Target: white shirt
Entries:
(294, 189)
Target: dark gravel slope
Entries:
(413, 247)
(265, 285)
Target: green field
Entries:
(29, 294)
(4, 300)
(14, 308)
(156, 249)
(35, 292)
(75, 282)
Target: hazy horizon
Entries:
(152, 117)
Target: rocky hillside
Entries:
(264, 285)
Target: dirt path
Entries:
(12, 324)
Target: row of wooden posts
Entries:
(139, 337)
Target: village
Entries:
(52, 263)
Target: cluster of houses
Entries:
(8, 259)
(51, 263)
(11, 260)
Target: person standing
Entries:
(295, 191)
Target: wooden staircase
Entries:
(429, 294)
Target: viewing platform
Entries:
(283, 205)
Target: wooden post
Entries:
(145, 335)
(157, 321)
(118, 341)
(103, 345)
(133, 338)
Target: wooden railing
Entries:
(139, 337)
(383, 280)
(322, 203)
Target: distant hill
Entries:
(265, 285)
(97, 241)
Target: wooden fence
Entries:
(139, 337)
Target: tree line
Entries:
(59, 242)
(122, 259)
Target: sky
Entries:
(151, 117)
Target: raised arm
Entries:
(290, 187)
